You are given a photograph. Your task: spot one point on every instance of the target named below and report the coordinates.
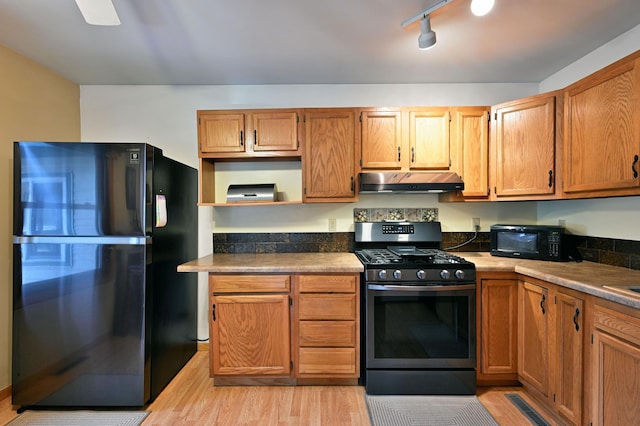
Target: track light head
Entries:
(427, 37)
(481, 7)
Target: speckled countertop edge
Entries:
(587, 277)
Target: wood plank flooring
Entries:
(191, 399)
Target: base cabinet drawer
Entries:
(327, 306)
(328, 333)
(334, 361)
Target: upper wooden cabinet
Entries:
(381, 134)
(249, 133)
(470, 150)
(405, 138)
(329, 160)
(525, 143)
(602, 122)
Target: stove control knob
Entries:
(444, 274)
(460, 274)
(397, 274)
(382, 274)
(421, 274)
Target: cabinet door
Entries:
(533, 336)
(329, 160)
(569, 313)
(525, 147)
(470, 140)
(603, 130)
(429, 139)
(275, 131)
(250, 334)
(381, 139)
(221, 132)
(498, 327)
(615, 366)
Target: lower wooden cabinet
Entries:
(249, 327)
(568, 354)
(614, 377)
(533, 336)
(497, 332)
(275, 328)
(326, 339)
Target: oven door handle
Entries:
(421, 287)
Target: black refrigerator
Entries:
(101, 317)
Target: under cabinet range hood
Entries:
(409, 182)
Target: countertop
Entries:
(588, 277)
(592, 278)
(274, 263)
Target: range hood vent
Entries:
(409, 182)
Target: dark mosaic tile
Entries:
(634, 262)
(614, 259)
(267, 247)
(627, 246)
(600, 243)
(590, 255)
(219, 238)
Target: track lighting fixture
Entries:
(427, 36)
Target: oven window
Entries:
(422, 327)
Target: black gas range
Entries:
(419, 330)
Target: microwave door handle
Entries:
(421, 287)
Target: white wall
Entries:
(604, 217)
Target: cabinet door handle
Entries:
(413, 155)
(352, 185)
(398, 153)
(633, 167)
(575, 319)
(241, 137)
(550, 178)
(213, 311)
(542, 303)
(255, 137)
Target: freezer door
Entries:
(79, 322)
(81, 189)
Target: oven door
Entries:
(420, 327)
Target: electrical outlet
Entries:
(475, 222)
(562, 222)
(332, 224)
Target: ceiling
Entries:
(224, 42)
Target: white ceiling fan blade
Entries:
(98, 12)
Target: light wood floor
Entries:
(191, 399)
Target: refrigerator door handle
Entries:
(140, 241)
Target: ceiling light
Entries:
(481, 7)
(427, 37)
(98, 12)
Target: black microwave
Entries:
(539, 242)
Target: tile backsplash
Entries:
(379, 214)
(615, 252)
